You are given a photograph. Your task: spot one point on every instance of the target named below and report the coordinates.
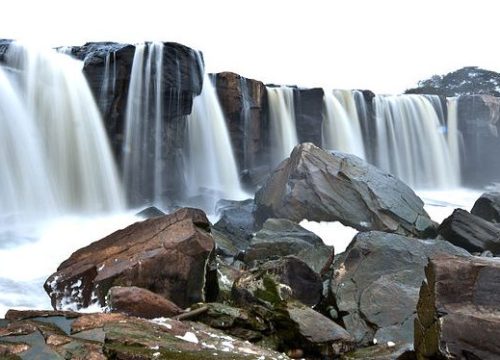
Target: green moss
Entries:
(270, 292)
(136, 352)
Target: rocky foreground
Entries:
(257, 285)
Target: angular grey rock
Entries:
(377, 281)
(280, 237)
(317, 185)
(487, 207)
(470, 232)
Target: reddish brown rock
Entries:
(458, 311)
(140, 302)
(167, 255)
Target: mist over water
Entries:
(62, 189)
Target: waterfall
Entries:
(341, 130)
(282, 118)
(108, 86)
(144, 129)
(56, 136)
(212, 172)
(26, 192)
(410, 144)
(452, 134)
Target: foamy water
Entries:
(25, 265)
(438, 204)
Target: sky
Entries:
(382, 45)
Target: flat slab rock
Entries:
(167, 255)
(377, 281)
(458, 309)
(318, 185)
(116, 336)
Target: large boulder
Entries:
(317, 185)
(280, 237)
(167, 255)
(470, 232)
(458, 312)
(488, 207)
(377, 281)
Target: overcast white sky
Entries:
(383, 45)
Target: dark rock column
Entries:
(244, 103)
(308, 105)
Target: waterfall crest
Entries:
(282, 118)
(410, 142)
(211, 168)
(67, 150)
(143, 170)
(341, 130)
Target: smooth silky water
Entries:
(59, 184)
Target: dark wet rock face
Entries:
(317, 185)
(236, 225)
(377, 281)
(308, 106)
(471, 232)
(168, 255)
(280, 237)
(458, 312)
(244, 103)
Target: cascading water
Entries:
(341, 130)
(144, 129)
(452, 134)
(282, 117)
(57, 171)
(67, 133)
(26, 192)
(410, 144)
(108, 86)
(211, 166)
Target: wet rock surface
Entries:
(236, 225)
(308, 106)
(470, 232)
(280, 237)
(377, 281)
(276, 281)
(168, 255)
(458, 312)
(112, 336)
(244, 103)
(140, 302)
(317, 185)
(487, 207)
